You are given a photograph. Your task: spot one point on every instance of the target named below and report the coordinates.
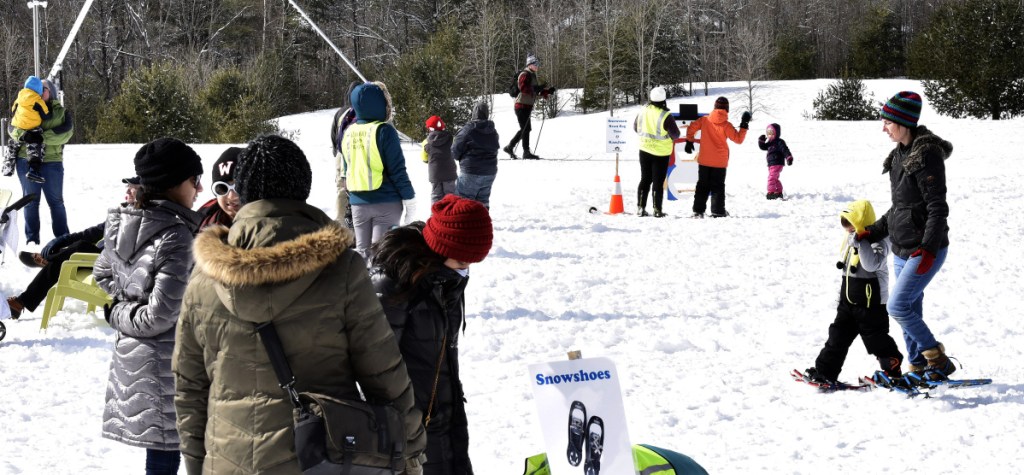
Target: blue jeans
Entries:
(906, 304)
(475, 187)
(162, 462)
(52, 190)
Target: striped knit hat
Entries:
(904, 108)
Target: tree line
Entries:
(219, 70)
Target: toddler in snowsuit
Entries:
(862, 299)
(28, 113)
(437, 154)
(778, 155)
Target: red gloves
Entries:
(927, 259)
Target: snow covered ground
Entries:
(704, 318)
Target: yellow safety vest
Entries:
(364, 167)
(654, 139)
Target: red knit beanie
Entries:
(435, 123)
(459, 229)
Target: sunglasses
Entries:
(221, 188)
(195, 181)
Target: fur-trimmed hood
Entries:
(924, 142)
(271, 255)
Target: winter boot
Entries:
(16, 307)
(724, 214)
(577, 419)
(891, 366)
(34, 176)
(817, 377)
(510, 152)
(770, 196)
(640, 211)
(697, 215)
(658, 213)
(528, 155)
(595, 446)
(939, 366)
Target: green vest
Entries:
(654, 139)
(364, 167)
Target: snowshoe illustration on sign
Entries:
(595, 445)
(577, 418)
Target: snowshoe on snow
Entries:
(577, 418)
(528, 155)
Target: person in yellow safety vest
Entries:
(374, 169)
(658, 132)
(647, 459)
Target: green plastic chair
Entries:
(75, 281)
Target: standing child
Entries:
(27, 114)
(476, 149)
(862, 301)
(437, 154)
(778, 156)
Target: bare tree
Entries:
(752, 51)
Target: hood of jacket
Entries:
(778, 130)
(860, 214)
(135, 227)
(370, 103)
(719, 116)
(481, 111)
(273, 252)
(924, 142)
(440, 138)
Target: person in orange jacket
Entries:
(713, 158)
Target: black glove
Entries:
(54, 246)
(689, 147)
(762, 138)
(551, 90)
(108, 309)
(745, 120)
(789, 160)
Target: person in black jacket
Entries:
(437, 154)
(916, 226)
(420, 276)
(476, 150)
(58, 251)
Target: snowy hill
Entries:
(705, 318)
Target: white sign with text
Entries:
(616, 133)
(581, 414)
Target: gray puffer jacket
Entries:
(144, 266)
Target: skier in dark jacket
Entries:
(778, 157)
(529, 89)
(437, 154)
(916, 226)
(421, 276)
(476, 150)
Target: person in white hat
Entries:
(658, 132)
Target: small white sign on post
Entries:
(580, 407)
(616, 133)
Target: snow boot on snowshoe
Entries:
(511, 153)
(891, 366)
(697, 215)
(815, 376)
(939, 366)
(528, 155)
(577, 419)
(595, 446)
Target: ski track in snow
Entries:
(704, 318)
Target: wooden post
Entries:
(575, 355)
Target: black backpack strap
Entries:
(285, 377)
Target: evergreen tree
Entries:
(794, 58)
(877, 50)
(154, 102)
(845, 100)
(974, 50)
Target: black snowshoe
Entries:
(577, 418)
(595, 446)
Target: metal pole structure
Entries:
(34, 5)
(59, 63)
(328, 40)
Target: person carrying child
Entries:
(437, 154)
(27, 114)
(863, 294)
(778, 156)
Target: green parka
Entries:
(287, 262)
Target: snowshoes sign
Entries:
(580, 407)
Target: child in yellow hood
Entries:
(862, 301)
(27, 113)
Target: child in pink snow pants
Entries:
(778, 156)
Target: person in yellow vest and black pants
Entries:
(658, 131)
(374, 169)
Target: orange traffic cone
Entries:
(616, 205)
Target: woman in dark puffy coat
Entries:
(144, 266)
(421, 271)
(917, 228)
